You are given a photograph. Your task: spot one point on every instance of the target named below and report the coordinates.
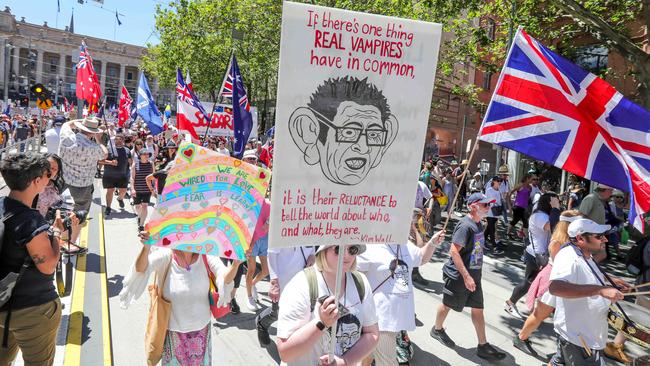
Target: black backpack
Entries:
(634, 261)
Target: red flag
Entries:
(88, 87)
(124, 112)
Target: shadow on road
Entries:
(115, 285)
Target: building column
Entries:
(39, 66)
(102, 82)
(122, 76)
(2, 61)
(16, 67)
(62, 74)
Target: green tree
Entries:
(197, 35)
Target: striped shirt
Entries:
(141, 173)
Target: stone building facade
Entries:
(33, 53)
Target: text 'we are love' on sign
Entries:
(210, 204)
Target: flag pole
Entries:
(487, 112)
(337, 290)
(214, 101)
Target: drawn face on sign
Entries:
(347, 128)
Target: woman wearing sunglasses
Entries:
(388, 268)
(308, 312)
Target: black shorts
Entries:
(456, 296)
(141, 198)
(115, 182)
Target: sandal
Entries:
(76, 250)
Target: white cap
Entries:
(586, 226)
(249, 154)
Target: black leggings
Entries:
(519, 213)
(531, 272)
(490, 230)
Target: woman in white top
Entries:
(306, 317)
(545, 301)
(492, 192)
(388, 269)
(187, 287)
(284, 263)
(539, 233)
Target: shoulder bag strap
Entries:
(358, 283)
(603, 284)
(303, 256)
(164, 277)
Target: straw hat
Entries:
(503, 169)
(88, 124)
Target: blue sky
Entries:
(93, 20)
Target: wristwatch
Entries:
(320, 325)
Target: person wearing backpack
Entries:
(30, 313)
(308, 312)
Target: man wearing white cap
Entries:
(583, 299)
(593, 205)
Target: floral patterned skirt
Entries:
(188, 349)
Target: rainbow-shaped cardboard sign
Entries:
(210, 204)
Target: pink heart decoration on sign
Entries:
(227, 227)
(223, 200)
(198, 248)
(166, 242)
(194, 234)
(179, 236)
(208, 248)
(228, 253)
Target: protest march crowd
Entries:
(563, 245)
(342, 302)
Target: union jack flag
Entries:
(550, 109)
(187, 95)
(226, 88)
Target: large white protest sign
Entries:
(354, 94)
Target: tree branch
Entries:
(623, 44)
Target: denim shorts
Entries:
(261, 247)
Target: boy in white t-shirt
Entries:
(583, 299)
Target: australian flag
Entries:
(550, 109)
(147, 109)
(243, 119)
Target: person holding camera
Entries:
(30, 313)
(308, 312)
(80, 153)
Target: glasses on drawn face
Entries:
(353, 250)
(374, 136)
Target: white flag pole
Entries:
(337, 290)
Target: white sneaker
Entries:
(513, 311)
(254, 292)
(251, 304)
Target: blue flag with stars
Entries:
(147, 109)
(243, 119)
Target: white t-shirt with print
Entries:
(394, 298)
(495, 195)
(295, 312)
(586, 316)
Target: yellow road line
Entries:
(75, 322)
(106, 330)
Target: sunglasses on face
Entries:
(483, 204)
(353, 250)
(597, 236)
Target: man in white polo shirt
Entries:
(583, 299)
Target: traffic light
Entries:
(42, 96)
